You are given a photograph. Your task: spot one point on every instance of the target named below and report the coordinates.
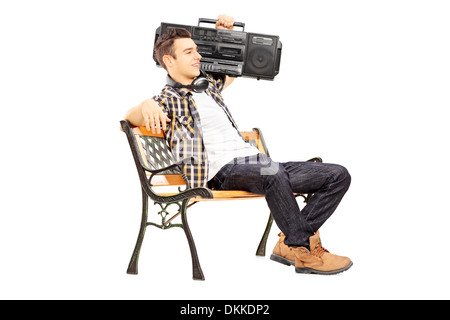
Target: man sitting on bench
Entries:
(197, 123)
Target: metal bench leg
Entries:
(133, 265)
(261, 251)
(197, 273)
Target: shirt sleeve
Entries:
(162, 101)
(218, 80)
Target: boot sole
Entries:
(282, 260)
(313, 271)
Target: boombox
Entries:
(233, 53)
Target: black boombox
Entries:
(233, 53)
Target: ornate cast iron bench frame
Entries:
(156, 167)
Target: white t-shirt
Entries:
(221, 139)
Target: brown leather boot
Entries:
(319, 260)
(282, 253)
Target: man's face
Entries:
(186, 66)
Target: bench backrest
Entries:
(151, 151)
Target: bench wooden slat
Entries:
(222, 195)
(254, 135)
(163, 180)
(143, 131)
(177, 180)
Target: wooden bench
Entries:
(157, 167)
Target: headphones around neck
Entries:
(199, 85)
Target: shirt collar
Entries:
(182, 92)
(176, 92)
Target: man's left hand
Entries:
(225, 22)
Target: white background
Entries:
(362, 83)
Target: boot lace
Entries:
(319, 251)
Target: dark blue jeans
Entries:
(278, 181)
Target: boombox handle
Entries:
(206, 20)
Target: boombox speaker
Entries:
(233, 53)
(263, 56)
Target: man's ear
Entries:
(168, 60)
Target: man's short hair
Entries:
(164, 44)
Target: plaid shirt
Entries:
(184, 133)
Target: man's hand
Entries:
(154, 116)
(225, 22)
